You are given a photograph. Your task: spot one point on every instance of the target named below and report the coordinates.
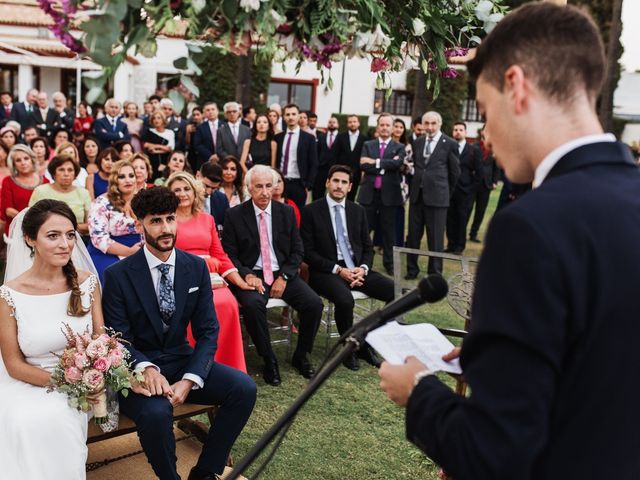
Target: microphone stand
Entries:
(352, 344)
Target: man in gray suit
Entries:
(437, 168)
(231, 135)
(380, 193)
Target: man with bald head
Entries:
(437, 168)
(45, 118)
(110, 128)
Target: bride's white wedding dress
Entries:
(41, 436)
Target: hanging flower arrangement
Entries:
(394, 35)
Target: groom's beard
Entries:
(154, 241)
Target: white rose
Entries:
(418, 27)
(483, 10)
(249, 5)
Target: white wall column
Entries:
(122, 84)
(25, 80)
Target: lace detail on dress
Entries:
(93, 281)
(6, 294)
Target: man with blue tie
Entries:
(380, 192)
(110, 128)
(151, 297)
(339, 252)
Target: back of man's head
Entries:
(211, 171)
(558, 47)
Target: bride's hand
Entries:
(139, 388)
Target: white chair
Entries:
(276, 326)
(360, 310)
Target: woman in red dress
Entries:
(197, 234)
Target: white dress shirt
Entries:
(274, 260)
(554, 157)
(293, 172)
(434, 142)
(153, 262)
(235, 129)
(343, 215)
(460, 146)
(353, 139)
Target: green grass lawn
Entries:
(348, 430)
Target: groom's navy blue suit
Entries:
(131, 306)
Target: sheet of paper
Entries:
(396, 342)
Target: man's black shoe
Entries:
(411, 276)
(351, 362)
(475, 239)
(367, 354)
(197, 474)
(271, 373)
(303, 365)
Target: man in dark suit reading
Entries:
(262, 240)
(553, 378)
(151, 297)
(339, 252)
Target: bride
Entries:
(42, 437)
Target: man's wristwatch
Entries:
(285, 276)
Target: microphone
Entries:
(430, 289)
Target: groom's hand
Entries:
(180, 391)
(156, 383)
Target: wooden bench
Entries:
(180, 414)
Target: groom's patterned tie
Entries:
(166, 298)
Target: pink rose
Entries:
(102, 364)
(72, 375)
(115, 357)
(97, 348)
(93, 379)
(104, 338)
(81, 361)
(379, 64)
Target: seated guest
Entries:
(277, 195)
(111, 223)
(110, 128)
(63, 169)
(59, 136)
(124, 149)
(41, 150)
(177, 163)
(151, 297)
(215, 202)
(98, 183)
(89, 150)
(158, 142)
(261, 148)
(232, 181)
(8, 136)
(19, 186)
(263, 242)
(339, 252)
(68, 148)
(198, 235)
(143, 169)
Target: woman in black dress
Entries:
(260, 149)
(158, 142)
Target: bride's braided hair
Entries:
(33, 220)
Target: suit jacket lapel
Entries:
(180, 288)
(326, 218)
(145, 289)
(250, 220)
(442, 141)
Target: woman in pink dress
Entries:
(198, 235)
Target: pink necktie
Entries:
(377, 183)
(267, 273)
(213, 133)
(330, 139)
(285, 161)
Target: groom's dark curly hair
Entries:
(154, 201)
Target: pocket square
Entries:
(194, 289)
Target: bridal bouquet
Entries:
(88, 366)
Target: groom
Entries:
(151, 297)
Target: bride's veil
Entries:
(19, 257)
